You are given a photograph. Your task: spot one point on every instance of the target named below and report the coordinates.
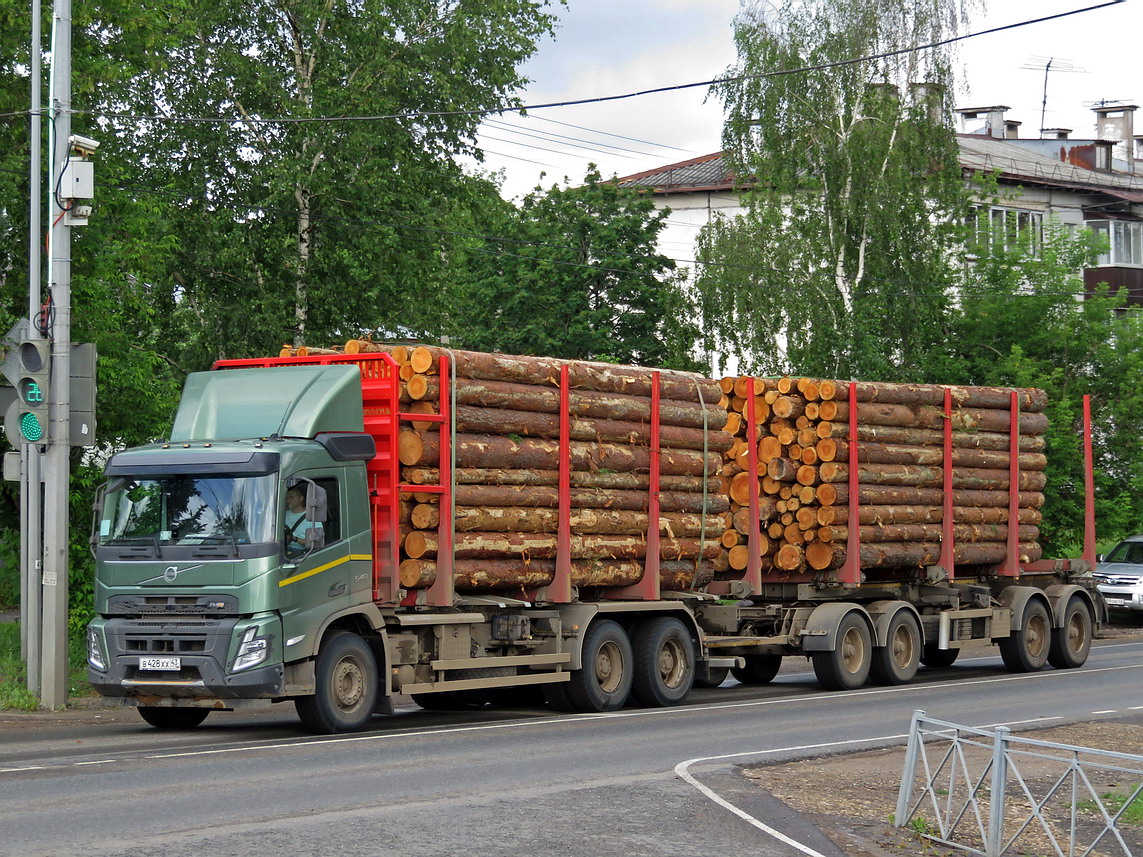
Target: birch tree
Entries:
(838, 129)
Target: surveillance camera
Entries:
(83, 145)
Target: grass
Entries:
(1113, 802)
(14, 694)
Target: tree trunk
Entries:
(423, 543)
(917, 476)
(928, 416)
(515, 519)
(494, 451)
(889, 453)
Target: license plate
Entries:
(166, 664)
(1116, 602)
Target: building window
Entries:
(1125, 238)
(1009, 228)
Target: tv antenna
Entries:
(1048, 65)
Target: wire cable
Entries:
(510, 108)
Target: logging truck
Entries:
(339, 528)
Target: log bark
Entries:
(899, 495)
(534, 453)
(579, 478)
(490, 575)
(584, 404)
(421, 544)
(513, 519)
(916, 554)
(1028, 400)
(931, 533)
(972, 478)
(998, 441)
(839, 515)
(582, 375)
(892, 453)
(928, 416)
(476, 420)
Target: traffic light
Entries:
(31, 413)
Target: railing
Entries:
(985, 792)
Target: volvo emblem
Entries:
(171, 573)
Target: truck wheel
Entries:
(936, 658)
(346, 687)
(604, 682)
(664, 662)
(173, 718)
(896, 662)
(1027, 650)
(711, 677)
(847, 666)
(759, 669)
(1071, 643)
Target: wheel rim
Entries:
(904, 647)
(672, 664)
(852, 651)
(1076, 632)
(348, 684)
(609, 667)
(1036, 636)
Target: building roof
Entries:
(709, 172)
(1017, 161)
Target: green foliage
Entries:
(1021, 323)
(575, 273)
(841, 264)
(13, 686)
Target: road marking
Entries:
(587, 717)
(1107, 711)
(682, 769)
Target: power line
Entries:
(510, 108)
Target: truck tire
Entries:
(759, 669)
(897, 661)
(604, 682)
(1027, 650)
(938, 659)
(847, 666)
(346, 687)
(711, 677)
(1071, 643)
(664, 662)
(173, 718)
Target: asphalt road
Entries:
(525, 782)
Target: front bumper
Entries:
(203, 650)
(1122, 597)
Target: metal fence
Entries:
(986, 791)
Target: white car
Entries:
(1119, 575)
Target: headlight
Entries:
(251, 651)
(95, 655)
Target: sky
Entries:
(613, 47)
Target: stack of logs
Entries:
(802, 426)
(506, 443)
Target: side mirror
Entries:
(1100, 557)
(317, 508)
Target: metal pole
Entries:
(31, 491)
(56, 462)
(995, 843)
(912, 751)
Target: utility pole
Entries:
(57, 461)
(31, 493)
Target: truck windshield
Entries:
(188, 510)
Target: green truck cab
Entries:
(209, 591)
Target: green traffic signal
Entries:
(30, 427)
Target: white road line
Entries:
(682, 770)
(1107, 711)
(583, 718)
